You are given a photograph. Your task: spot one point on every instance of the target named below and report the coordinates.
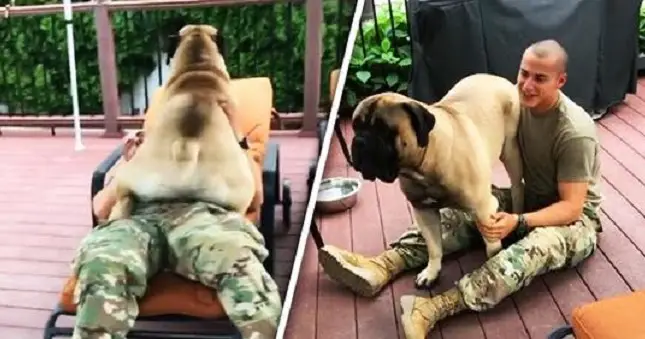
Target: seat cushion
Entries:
(613, 318)
(168, 293)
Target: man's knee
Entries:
(248, 293)
(204, 256)
(113, 257)
(106, 293)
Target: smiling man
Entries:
(558, 229)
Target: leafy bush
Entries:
(262, 40)
(381, 57)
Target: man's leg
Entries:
(225, 251)
(367, 276)
(112, 266)
(542, 250)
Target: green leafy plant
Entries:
(261, 40)
(381, 57)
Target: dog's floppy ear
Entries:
(172, 33)
(421, 120)
(171, 47)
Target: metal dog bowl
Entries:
(337, 194)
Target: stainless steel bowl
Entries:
(337, 194)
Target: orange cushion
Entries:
(612, 318)
(168, 293)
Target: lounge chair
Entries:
(171, 298)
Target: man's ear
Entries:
(562, 79)
(421, 120)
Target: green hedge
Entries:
(262, 40)
(381, 58)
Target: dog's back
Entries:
(491, 103)
(191, 149)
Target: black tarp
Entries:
(454, 38)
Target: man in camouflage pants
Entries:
(561, 176)
(200, 241)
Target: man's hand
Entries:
(502, 225)
(132, 143)
(105, 199)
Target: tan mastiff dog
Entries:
(191, 149)
(443, 154)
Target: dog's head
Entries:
(198, 44)
(389, 130)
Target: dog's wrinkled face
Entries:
(208, 35)
(389, 129)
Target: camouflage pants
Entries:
(542, 250)
(203, 243)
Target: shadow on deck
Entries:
(45, 208)
(322, 309)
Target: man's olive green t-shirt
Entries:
(560, 145)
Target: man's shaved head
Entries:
(550, 49)
(543, 71)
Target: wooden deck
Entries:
(322, 309)
(45, 209)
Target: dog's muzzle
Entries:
(374, 158)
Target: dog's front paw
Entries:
(427, 277)
(117, 212)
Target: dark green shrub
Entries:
(262, 40)
(381, 58)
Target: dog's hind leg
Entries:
(512, 160)
(429, 223)
(124, 204)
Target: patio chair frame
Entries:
(313, 226)
(561, 332)
(273, 196)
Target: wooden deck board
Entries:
(45, 208)
(615, 268)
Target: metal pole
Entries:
(71, 55)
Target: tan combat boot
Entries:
(261, 329)
(420, 314)
(365, 276)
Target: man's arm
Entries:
(575, 164)
(105, 199)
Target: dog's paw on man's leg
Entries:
(121, 209)
(429, 276)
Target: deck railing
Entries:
(121, 53)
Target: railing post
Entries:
(107, 69)
(313, 57)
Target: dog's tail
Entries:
(185, 153)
